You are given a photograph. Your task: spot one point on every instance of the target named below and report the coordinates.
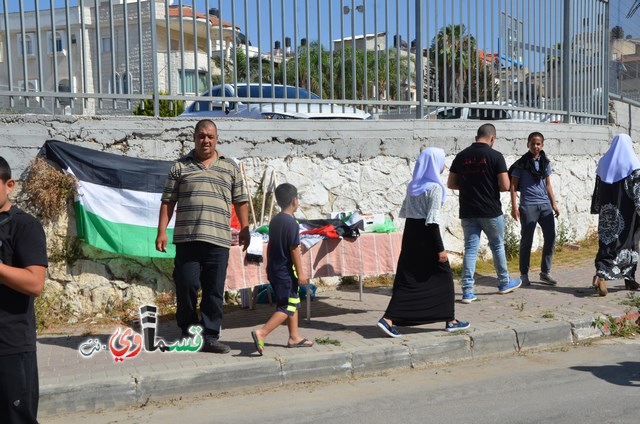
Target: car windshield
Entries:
(450, 113)
(254, 92)
(215, 105)
(488, 114)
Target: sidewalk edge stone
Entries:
(543, 334)
(380, 358)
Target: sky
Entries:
(299, 19)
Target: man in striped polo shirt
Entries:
(203, 184)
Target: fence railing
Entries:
(542, 60)
(624, 67)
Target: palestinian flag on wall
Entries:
(118, 198)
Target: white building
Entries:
(91, 50)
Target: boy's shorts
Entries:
(287, 298)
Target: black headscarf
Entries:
(526, 162)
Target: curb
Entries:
(137, 387)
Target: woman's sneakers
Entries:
(388, 329)
(457, 326)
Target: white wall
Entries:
(335, 165)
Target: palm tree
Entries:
(461, 77)
(617, 32)
(240, 67)
(312, 77)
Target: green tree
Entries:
(168, 108)
(462, 77)
(617, 33)
(310, 74)
(241, 68)
(314, 72)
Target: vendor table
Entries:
(368, 255)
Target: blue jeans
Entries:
(200, 265)
(530, 216)
(494, 230)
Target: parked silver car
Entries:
(487, 111)
(252, 108)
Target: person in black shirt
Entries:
(23, 263)
(480, 173)
(284, 270)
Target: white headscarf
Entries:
(619, 161)
(427, 172)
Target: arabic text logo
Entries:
(127, 344)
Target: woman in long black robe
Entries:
(618, 204)
(423, 290)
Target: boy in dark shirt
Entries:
(284, 269)
(23, 263)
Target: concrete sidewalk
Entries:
(531, 317)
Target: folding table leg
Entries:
(308, 301)
(254, 297)
(360, 284)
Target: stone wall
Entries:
(625, 118)
(335, 165)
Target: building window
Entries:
(56, 44)
(192, 83)
(174, 45)
(26, 46)
(105, 45)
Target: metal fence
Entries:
(624, 67)
(543, 60)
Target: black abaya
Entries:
(423, 290)
(618, 228)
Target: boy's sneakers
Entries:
(525, 280)
(468, 297)
(389, 330)
(458, 326)
(546, 278)
(510, 286)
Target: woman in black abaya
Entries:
(423, 289)
(618, 203)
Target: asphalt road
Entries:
(594, 383)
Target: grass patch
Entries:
(69, 250)
(368, 282)
(632, 301)
(576, 254)
(327, 341)
(51, 310)
(548, 315)
(625, 327)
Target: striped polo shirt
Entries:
(204, 197)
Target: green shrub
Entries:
(168, 108)
(511, 238)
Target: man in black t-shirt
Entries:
(23, 263)
(480, 173)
